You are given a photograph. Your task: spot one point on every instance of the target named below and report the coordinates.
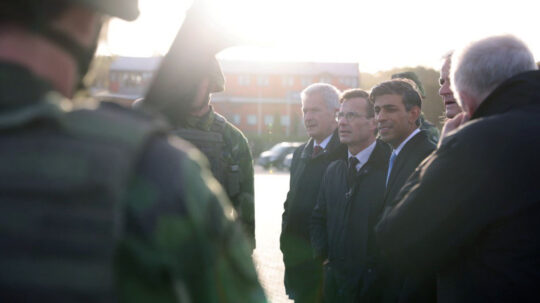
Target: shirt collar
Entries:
(364, 155)
(203, 122)
(400, 147)
(324, 142)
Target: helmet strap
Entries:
(82, 55)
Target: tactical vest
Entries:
(63, 176)
(217, 150)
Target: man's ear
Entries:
(414, 114)
(373, 124)
(467, 102)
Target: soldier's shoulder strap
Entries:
(112, 122)
(91, 119)
(219, 123)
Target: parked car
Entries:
(288, 161)
(275, 155)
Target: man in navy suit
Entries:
(397, 108)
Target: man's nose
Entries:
(380, 117)
(444, 90)
(342, 120)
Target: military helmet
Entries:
(124, 9)
(215, 73)
(413, 77)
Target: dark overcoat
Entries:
(343, 220)
(396, 284)
(302, 272)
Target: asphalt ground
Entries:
(271, 188)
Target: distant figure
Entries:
(97, 203)
(431, 130)
(397, 108)
(479, 235)
(224, 145)
(451, 108)
(303, 274)
(350, 202)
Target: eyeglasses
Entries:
(349, 116)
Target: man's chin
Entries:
(387, 138)
(452, 110)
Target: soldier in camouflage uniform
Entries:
(98, 203)
(431, 130)
(223, 144)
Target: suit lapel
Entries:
(305, 156)
(401, 160)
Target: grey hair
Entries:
(447, 55)
(481, 66)
(329, 93)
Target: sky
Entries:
(378, 35)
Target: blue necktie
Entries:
(390, 164)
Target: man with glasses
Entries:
(350, 201)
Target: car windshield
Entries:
(277, 149)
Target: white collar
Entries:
(324, 142)
(400, 147)
(364, 155)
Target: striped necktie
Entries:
(317, 149)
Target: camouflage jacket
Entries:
(238, 181)
(431, 130)
(99, 205)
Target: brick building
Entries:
(260, 97)
(265, 96)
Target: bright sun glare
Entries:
(377, 34)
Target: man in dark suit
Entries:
(480, 234)
(303, 274)
(351, 190)
(397, 107)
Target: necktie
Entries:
(351, 171)
(390, 165)
(317, 149)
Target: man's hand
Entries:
(453, 124)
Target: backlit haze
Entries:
(379, 35)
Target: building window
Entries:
(263, 81)
(132, 79)
(350, 82)
(306, 81)
(252, 119)
(285, 120)
(268, 119)
(326, 79)
(114, 76)
(236, 119)
(288, 81)
(243, 80)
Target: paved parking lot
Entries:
(270, 191)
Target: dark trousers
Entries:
(340, 287)
(303, 282)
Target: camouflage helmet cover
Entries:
(215, 74)
(124, 9)
(413, 77)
